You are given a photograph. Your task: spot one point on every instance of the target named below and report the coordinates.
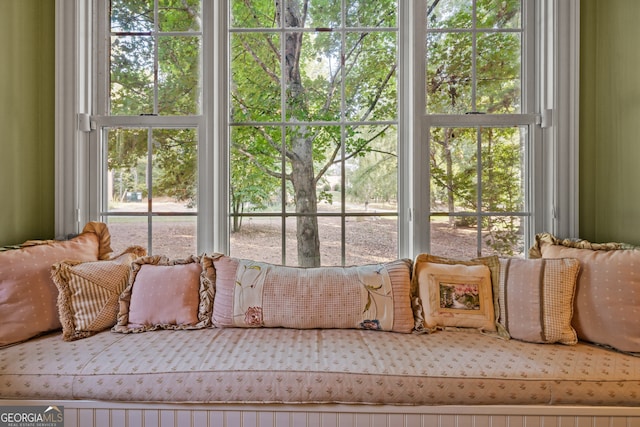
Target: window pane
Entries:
(499, 13)
(371, 169)
(174, 236)
(371, 239)
(132, 15)
(256, 166)
(179, 15)
(152, 74)
(321, 14)
(449, 73)
(253, 14)
(503, 169)
(498, 73)
(504, 236)
(371, 86)
(492, 193)
(132, 75)
(174, 170)
(310, 149)
(126, 180)
(148, 201)
(325, 80)
(312, 82)
(257, 238)
(179, 76)
(449, 14)
(454, 237)
(379, 13)
(255, 77)
(127, 231)
(454, 170)
(330, 239)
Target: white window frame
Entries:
(555, 156)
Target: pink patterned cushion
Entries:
(536, 299)
(607, 300)
(28, 296)
(166, 294)
(254, 294)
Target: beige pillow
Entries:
(89, 292)
(454, 294)
(258, 294)
(607, 298)
(492, 262)
(536, 299)
(28, 296)
(166, 294)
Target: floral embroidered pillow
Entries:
(258, 294)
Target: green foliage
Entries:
(289, 90)
(134, 82)
(491, 84)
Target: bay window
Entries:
(318, 132)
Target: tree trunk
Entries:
(449, 169)
(306, 199)
(301, 151)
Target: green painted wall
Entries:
(610, 121)
(27, 32)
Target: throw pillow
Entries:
(89, 292)
(454, 293)
(492, 262)
(607, 298)
(28, 296)
(258, 294)
(166, 294)
(536, 299)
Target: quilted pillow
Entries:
(28, 296)
(607, 298)
(258, 294)
(455, 293)
(166, 294)
(89, 292)
(536, 299)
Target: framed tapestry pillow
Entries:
(455, 295)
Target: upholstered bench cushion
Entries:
(317, 365)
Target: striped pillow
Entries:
(88, 292)
(536, 299)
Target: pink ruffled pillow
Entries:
(166, 294)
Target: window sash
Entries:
(555, 92)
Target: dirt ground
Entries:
(368, 240)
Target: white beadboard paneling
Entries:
(109, 414)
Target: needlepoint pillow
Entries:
(258, 294)
(28, 296)
(166, 294)
(455, 293)
(607, 298)
(89, 292)
(536, 299)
